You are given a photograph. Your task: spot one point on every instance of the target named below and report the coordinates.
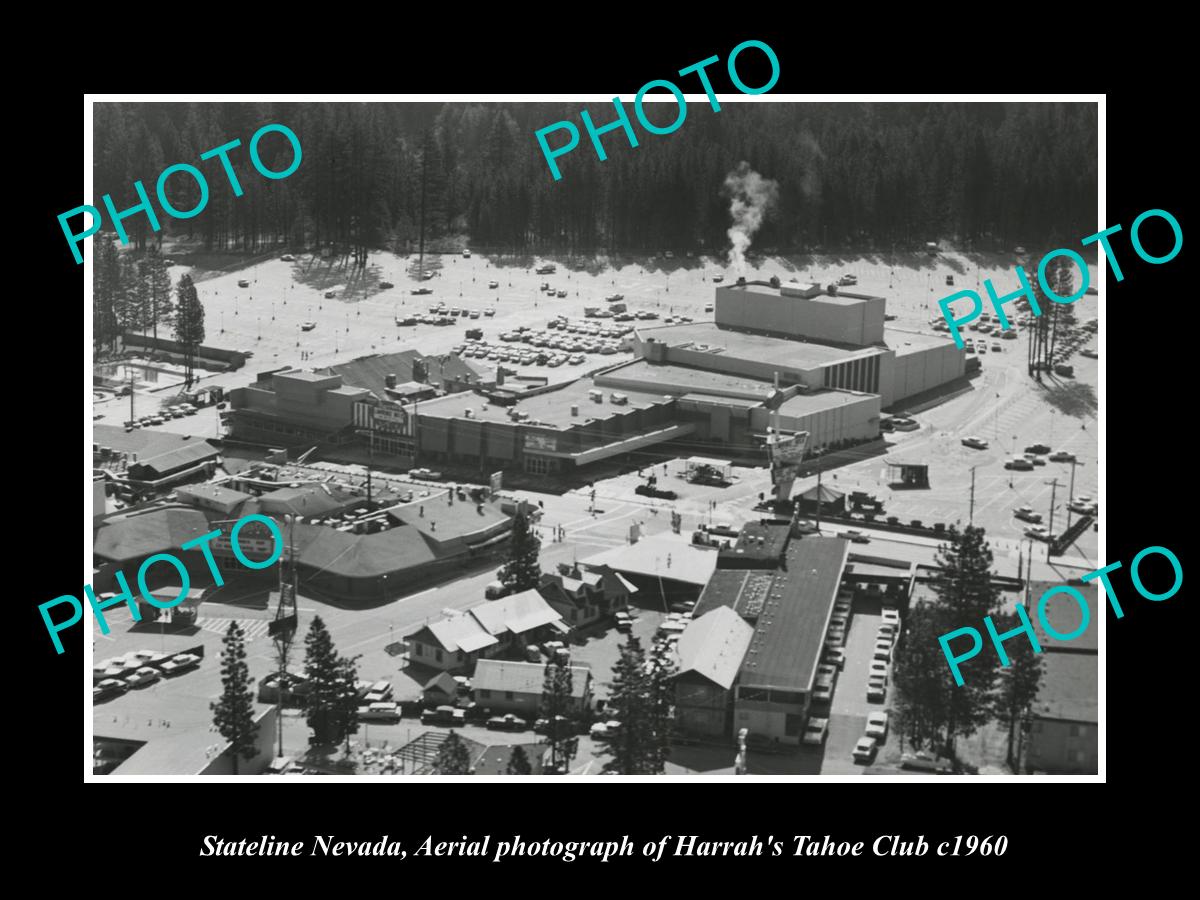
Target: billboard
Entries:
(391, 419)
(787, 454)
(541, 441)
(496, 482)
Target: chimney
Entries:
(499, 376)
(421, 509)
(389, 380)
(574, 409)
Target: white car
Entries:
(879, 670)
(883, 651)
(977, 442)
(891, 614)
(1027, 513)
(835, 656)
(826, 672)
(823, 692)
(876, 690)
(816, 731)
(864, 750)
(877, 726)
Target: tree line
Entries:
(859, 176)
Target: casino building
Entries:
(798, 356)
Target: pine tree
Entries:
(1019, 682)
(158, 290)
(661, 689)
(346, 703)
(559, 710)
(452, 757)
(919, 677)
(518, 763)
(108, 291)
(189, 325)
(233, 714)
(631, 747)
(963, 584)
(325, 684)
(523, 571)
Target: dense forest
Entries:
(855, 176)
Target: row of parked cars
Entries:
(175, 411)
(113, 677)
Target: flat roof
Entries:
(691, 379)
(1064, 615)
(552, 408)
(805, 404)
(1069, 690)
(841, 298)
(145, 442)
(790, 631)
(906, 342)
(740, 344)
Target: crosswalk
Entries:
(252, 628)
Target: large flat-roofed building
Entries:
(809, 337)
(795, 310)
(287, 408)
(739, 409)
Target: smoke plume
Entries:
(750, 197)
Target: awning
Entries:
(632, 443)
(559, 625)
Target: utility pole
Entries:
(1071, 493)
(971, 513)
(130, 369)
(1053, 487)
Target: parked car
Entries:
(1062, 456)
(605, 729)
(108, 688)
(876, 690)
(1038, 533)
(1027, 514)
(1037, 448)
(877, 726)
(143, 676)
(883, 650)
(506, 722)
(834, 656)
(879, 670)
(385, 285)
(1019, 464)
(443, 715)
(383, 711)
(179, 664)
(242, 282)
(864, 750)
(823, 692)
(816, 732)
(926, 762)
(856, 537)
(976, 442)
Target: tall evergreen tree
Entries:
(345, 708)
(107, 291)
(919, 676)
(661, 672)
(559, 709)
(523, 571)
(631, 749)
(233, 713)
(518, 762)
(189, 326)
(158, 290)
(963, 585)
(325, 676)
(452, 758)
(1019, 683)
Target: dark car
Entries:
(1037, 448)
(856, 537)
(385, 285)
(507, 722)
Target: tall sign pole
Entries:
(283, 627)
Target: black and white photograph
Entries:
(524, 438)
